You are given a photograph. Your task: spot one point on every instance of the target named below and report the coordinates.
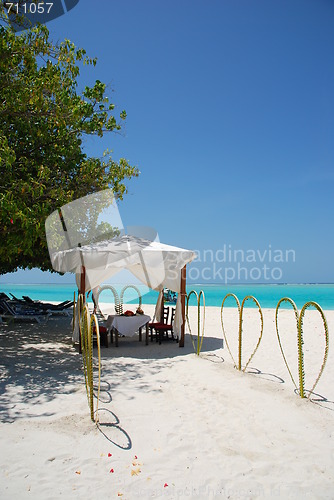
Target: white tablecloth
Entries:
(127, 325)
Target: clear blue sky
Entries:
(230, 120)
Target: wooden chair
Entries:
(163, 328)
(153, 326)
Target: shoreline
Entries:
(267, 295)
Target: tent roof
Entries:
(155, 264)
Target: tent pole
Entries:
(81, 290)
(183, 303)
(83, 282)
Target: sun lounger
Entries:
(8, 312)
(49, 305)
(4, 296)
(61, 308)
(44, 305)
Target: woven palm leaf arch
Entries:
(134, 288)
(222, 322)
(249, 297)
(296, 313)
(115, 294)
(87, 323)
(240, 339)
(300, 343)
(301, 319)
(200, 332)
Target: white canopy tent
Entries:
(155, 264)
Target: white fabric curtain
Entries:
(158, 307)
(76, 336)
(178, 317)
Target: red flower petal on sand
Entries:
(109, 454)
(112, 470)
(165, 485)
(136, 457)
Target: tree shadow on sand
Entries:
(132, 347)
(37, 362)
(133, 361)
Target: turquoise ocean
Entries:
(268, 294)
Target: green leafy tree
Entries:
(43, 121)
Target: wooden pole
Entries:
(82, 277)
(83, 282)
(81, 290)
(183, 303)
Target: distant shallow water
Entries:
(267, 295)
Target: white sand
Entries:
(176, 425)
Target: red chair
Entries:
(103, 335)
(163, 328)
(154, 326)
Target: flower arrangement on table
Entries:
(129, 313)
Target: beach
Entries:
(171, 424)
